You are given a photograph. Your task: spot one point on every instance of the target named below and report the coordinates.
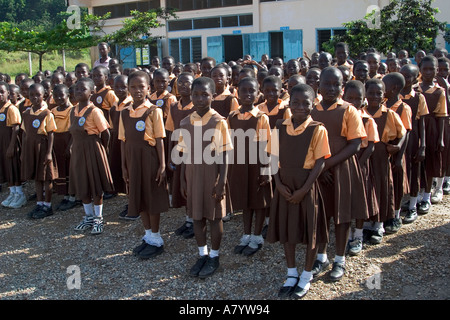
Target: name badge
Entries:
(81, 121)
(140, 125)
(36, 123)
(99, 99)
(169, 88)
(2, 117)
(160, 103)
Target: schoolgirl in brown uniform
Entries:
(62, 145)
(435, 129)
(168, 63)
(392, 135)
(299, 146)
(10, 149)
(250, 187)
(177, 112)
(89, 173)
(141, 130)
(38, 160)
(415, 151)
(224, 102)
(104, 97)
(115, 160)
(354, 93)
(203, 183)
(394, 82)
(342, 180)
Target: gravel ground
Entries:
(35, 256)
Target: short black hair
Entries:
(328, 70)
(412, 68)
(300, 88)
(102, 69)
(89, 81)
(373, 82)
(249, 79)
(3, 83)
(430, 58)
(61, 87)
(82, 65)
(272, 79)
(355, 84)
(161, 71)
(140, 74)
(395, 77)
(204, 81)
(37, 86)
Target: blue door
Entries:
(292, 44)
(128, 57)
(258, 44)
(215, 48)
(447, 44)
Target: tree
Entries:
(40, 42)
(136, 31)
(403, 24)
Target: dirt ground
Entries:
(46, 260)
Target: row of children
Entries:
(347, 150)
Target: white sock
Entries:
(397, 214)
(339, 259)
(148, 233)
(214, 253)
(358, 234)
(368, 225)
(266, 220)
(439, 183)
(426, 197)
(72, 199)
(88, 209)
(322, 257)
(66, 197)
(189, 219)
(290, 282)
(447, 179)
(48, 204)
(155, 239)
(98, 210)
(40, 203)
(255, 241)
(203, 251)
(378, 226)
(412, 203)
(12, 189)
(305, 279)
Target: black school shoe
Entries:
(446, 188)
(189, 232)
(299, 292)
(287, 291)
(210, 266)
(423, 207)
(70, 205)
(319, 267)
(195, 270)
(337, 272)
(392, 225)
(139, 248)
(43, 212)
(377, 236)
(410, 216)
(35, 209)
(62, 203)
(248, 251)
(183, 228)
(150, 251)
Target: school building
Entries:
(229, 29)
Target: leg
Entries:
(247, 216)
(48, 191)
(216, 233)
(39, 185)
(200, 232)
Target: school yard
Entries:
(47, 260)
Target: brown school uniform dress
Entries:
(401, 185)
(9, 167)
(176, 114)
(104, 99)
(419, 108)
(36, 125)
(346, 198)
(201, 176)
(89, 175)
(139, 128)
(389, 127)
(298, 149)
(245, 170)
(371, 129)
(280, 111)
(437, 107)
(225, 103)
(115, 160)
(446, 152)
(60, 143)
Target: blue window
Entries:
(324, 35)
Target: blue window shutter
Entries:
(128, 56)
(292, 44)
(259, 45)
(215, 48)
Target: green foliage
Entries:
(404, 24)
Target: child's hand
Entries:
(297, 197)
(161, 175)
(125, 175)
(392, 148)
(420, 155)
(284, 190)
(48, 159)
(219, 191)
(10, 152)
(327, 177)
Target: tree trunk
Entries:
(40, 60)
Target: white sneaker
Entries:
(437, 196)
(19, 201)
(8, 200)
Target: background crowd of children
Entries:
(362, 143)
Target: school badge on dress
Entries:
(2, 117)
(160, 103)
(140, 125)
(36, 123)
(169, 88)
(81, 121)
(99, 99)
